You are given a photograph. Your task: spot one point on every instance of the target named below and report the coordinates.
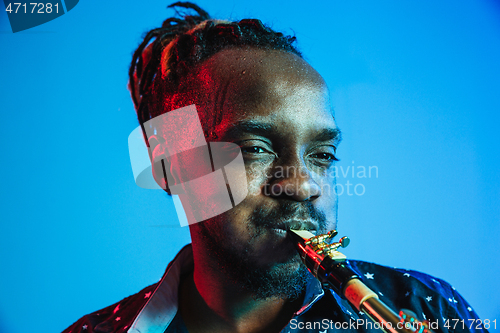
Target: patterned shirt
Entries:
(154, 309)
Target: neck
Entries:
(211, 301)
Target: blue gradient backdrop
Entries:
(416, 89)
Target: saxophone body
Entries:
(331, 268)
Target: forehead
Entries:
(269, 87)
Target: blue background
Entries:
(415, 86)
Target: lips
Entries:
(284, 226)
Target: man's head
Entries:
(162, 66)
(275, 106)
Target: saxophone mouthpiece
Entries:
(304, 234)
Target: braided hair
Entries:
(169, 53)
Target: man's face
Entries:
(276, 108)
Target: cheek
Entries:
(258, 175)
(327, 180)
(328, 197)
(188, 165)
(327, 202)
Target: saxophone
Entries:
(332, 269)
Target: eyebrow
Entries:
(253, 127)
(270, 130)
(329, 134)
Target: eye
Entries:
(253, 150)
(325, 157)
(257, 151)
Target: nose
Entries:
(293, 182)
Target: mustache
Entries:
(303, 214)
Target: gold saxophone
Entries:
(330, 267)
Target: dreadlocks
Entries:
(169, 53)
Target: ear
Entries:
(158, 162)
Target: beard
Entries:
(285, 277)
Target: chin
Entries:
(272, 248)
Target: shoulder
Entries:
(375, 274)
(115, 318)
(120, 316)
(429, 297)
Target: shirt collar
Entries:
(314, 292)
(160, 310)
